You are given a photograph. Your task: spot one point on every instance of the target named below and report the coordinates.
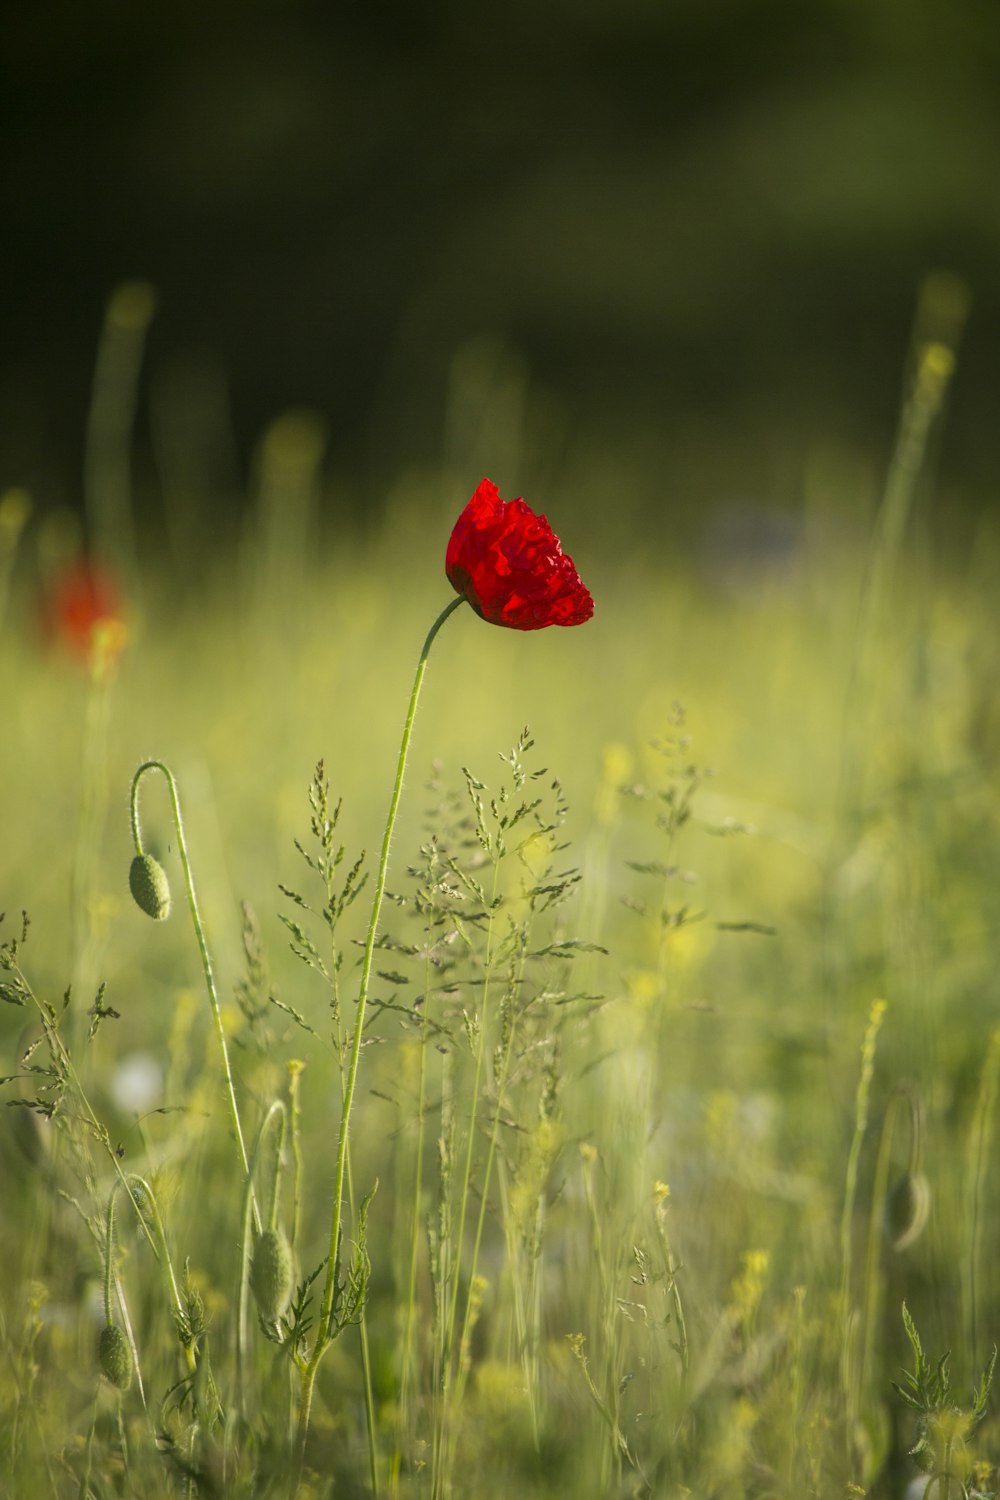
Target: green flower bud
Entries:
(271, 1274)
(148, 883)
(114, 1354)
(906, 1209)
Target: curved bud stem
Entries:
(206, 962)
(916, 1131)
(147, 1210)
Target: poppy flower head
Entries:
(510, 565)
(84, 612)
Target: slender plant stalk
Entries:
(93, 811)
(366, 1364)
(876, 1219)
(864, 703)
(609, 1405)
(471, 1135)
(366, 1361)
(163, 1252)
(295, 1068)
(323, 1333)
(107, 478)
(119, 1292)
(279, 1151)
(925, 399)
(206, 961)
(868, 1046)
(109, 1250)
(524, 1297)
(484, 1193)
(671, 1268)
(275, 1112)
(406, 1372)
(441, 1427)
(406, 1365)
(977, 1148)
(111, 1280)
(441, 1243)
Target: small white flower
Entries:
(137, 1083)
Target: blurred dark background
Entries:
(694, 230)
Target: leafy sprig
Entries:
(943, 1427)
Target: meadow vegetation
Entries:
(680, 1063)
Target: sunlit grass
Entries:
(681, 1283)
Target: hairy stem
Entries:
(323, 1333)
(206, 961)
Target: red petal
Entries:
(510, 565)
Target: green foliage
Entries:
(943, 1428)
(618, 1070)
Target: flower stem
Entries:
(206, 962)
(109, 1246)
(323, 1333)
(848, 1372)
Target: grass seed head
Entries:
(115, 1357)
(271, 1274)
(150, 888)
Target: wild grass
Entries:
(679, 1066)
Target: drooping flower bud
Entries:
(150, 888)
(271, 1274)
(114, 1355)
(906, 1209)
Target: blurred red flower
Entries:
(85, 612)
(511, 567)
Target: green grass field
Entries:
(681, 1051)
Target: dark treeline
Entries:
(697, 229)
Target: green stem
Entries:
(442, 1430)
(876, 1229)
(93, 810)
(366, 1363)
(206, 961)
(276, 1111)
(279, 1151)
(522, 1291)
(323, 1334)
(160, 1249)
(294, 1074)
(406, 1373)
(862, 1097)
(109, 1252)
(485, 1190)
(977, 1163)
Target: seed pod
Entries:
(150, 888)
(271, 1274)
(114, 1354)
(906, 1209)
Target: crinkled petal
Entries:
(511, 567)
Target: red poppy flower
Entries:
(84, 611)
(511, 567)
